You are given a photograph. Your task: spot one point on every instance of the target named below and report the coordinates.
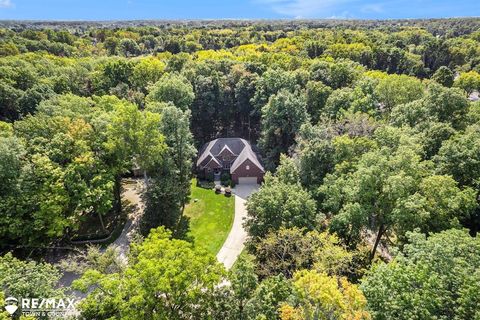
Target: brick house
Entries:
(233, 155)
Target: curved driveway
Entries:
(235, 242)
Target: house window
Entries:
(247, 167)
(227, 165)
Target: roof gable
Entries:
(235, 146)
(226, 151)
(249, 154)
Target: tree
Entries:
(282, 117)
(339, 102)
(317, 95)
(287, 250)
(134, 137)
(278, 204)
(315, 153)
(169, 185)
(440, 104)
(147, 72)
(243, 283)
(115, 72)
(468, 81)
(172, 278)
(376, 195)
(444, 76)
(30, 99)
(458, 156)
(433, 277)
(36, 193)
(8, 49)
(267, 298)
(29, 279)
(128, 47)
(398, 89)
(336, 75)
(9, 108)
(319, 296)
(172, 88)
(270, 83)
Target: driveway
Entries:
(235, 242)
(134, 206)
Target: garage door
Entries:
(247, 180)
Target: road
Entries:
(235, 242)
(131, 197)
(132, 202)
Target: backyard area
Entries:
(211, 217)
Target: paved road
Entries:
(235, 242)
(131, 200)
(132, 195)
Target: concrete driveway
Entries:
(235, 242)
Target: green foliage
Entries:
(393, 190)
(398, 89)
(29, 279)
(458, 157)
(282, 117)
(158, 267)
(317, 94)
(279, 204)
(468, 81)
(172, 88)
(444, 76)
(323, 297)
(287, 250)
(168, 187)
(433, 277)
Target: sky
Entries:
(236, 9)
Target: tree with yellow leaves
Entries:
(321, 297)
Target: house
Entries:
(232, 155)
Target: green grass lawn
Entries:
(211, 217)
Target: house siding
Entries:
(242, 171)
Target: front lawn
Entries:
(211, 217)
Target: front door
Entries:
(217, 173)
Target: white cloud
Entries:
(303, 8)
(6, 4)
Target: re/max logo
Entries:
(49, 303)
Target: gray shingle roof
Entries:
(238, 146)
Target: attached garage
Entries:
(233, 155)
(247, 180)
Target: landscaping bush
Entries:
(225, 178)
(218, 188)
(228, 191)
(206, 184)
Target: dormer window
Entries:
(247, 167)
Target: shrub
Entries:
(225, 178)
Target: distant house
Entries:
(232, 155)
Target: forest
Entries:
(369, 132)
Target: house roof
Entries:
(247, 153)
(214, 160)
(237, 146)
(227, 148)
